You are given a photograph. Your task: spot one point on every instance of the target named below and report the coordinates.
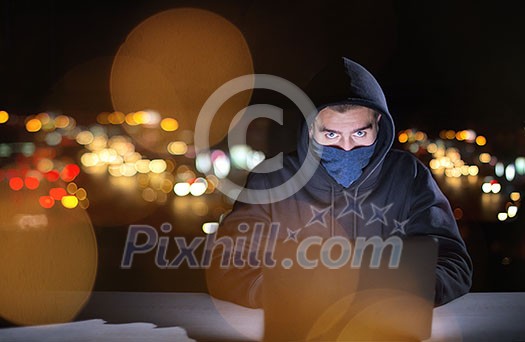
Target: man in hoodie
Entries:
(361, 188)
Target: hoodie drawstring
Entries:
(332, 209)
(355, 215)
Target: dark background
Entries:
(442, 65)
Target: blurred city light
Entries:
(53, 138)
(432, 148)
(221, 164)
(420, 136)
(114, 170)
(473, 170)
(16, 183)
(512, 211)
(69, 172)
(81, 193)
(499, 169)
(458, 213)
(28, 149)
(105, 150)
(102, 118)
(33, 125)
(130, 119)
(45, 165)
(4, 116)
(116, 118)
(510, 172)
(69, 201)
(46, 201)
(520, 165)
(89, 159)
(486, 188)
(203, 163)
(238, 155)
(481, 140)
(184, 173)
(210, 227)
(502, 216)
(57, 193)
(484, 158)
(169, 124)
(128, 169)
(84, 204)
(495, 188)
(157, 166)
(142, 165)
(149, 195)
(177, 148)
(182, 189)
(31, 183)
(61, 121)
(5, 150)
(403, 137)
(253, 159)
(198, 187)
(71, 188)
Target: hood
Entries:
(352, 84)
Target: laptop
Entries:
(345, 303)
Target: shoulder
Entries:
(274, 171)
(399, 156)
(406, 162)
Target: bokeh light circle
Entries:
(48, 258)
(170, 64)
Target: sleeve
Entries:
(235, 274)
(430, 214)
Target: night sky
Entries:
(441, 64)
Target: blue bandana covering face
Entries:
(344, 166)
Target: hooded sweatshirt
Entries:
(394, 195)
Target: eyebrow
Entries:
(324, 129)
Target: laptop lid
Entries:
(383, 291)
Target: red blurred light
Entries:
(70, 172)
(46, 201)
(493, 182)
(458, 213)
(57, 193)
(16, 183)
(32, 183)
(52, 175)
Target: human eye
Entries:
(360, 134)
(331, 135)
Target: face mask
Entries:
(344, 166)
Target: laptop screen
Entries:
(385, 294)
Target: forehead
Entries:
(359, 116)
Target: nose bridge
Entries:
(348, 143)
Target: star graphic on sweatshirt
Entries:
(318, 216)
(379, 214)
(399, 227)
(292, 235)
(353, 205)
